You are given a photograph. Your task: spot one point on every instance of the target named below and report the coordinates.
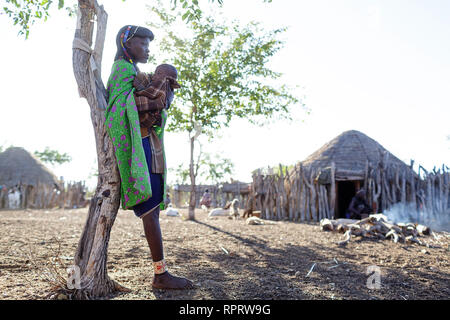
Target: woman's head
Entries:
(361, 194)
(132, 43)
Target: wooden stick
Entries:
(310, 270)
(333, 192)
(347, 235)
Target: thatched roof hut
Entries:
(357, 160)
(350, 152)
(322, 185)
(18, 166)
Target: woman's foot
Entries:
(168, 281)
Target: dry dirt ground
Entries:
(226, 259)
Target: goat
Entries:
(235, 208)
(171, 212)
(231, 210)
(258, 221)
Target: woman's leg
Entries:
(152, 231)
(153, 234)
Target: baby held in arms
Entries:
(154, 92)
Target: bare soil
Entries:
(226, 259)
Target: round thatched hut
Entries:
(358, 162)
(18, 166)
(20, 169)
(350, 151)
(322, 185)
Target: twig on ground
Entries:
(310, 270)
(224, 250)
(50, 271)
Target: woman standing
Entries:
(141, 190)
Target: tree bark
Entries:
(91, 254)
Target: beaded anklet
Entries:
(160, 266)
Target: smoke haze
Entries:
(405, 213)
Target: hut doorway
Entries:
(346, 190)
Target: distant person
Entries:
(168, 200)
(358, 206)
(206, 199)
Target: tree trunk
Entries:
(192, 175)
(91, 255)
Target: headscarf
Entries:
(124, 38)
(124, 35)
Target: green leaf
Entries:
(52, 156)
(186, 15)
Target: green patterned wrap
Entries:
(122, 125)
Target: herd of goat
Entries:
(230, 210)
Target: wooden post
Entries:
(308, 216)
(312, 203)
(333, 191)
(412, 183)
(239, 194)
(387, 195)
(293, 207)
(446, 183)
(319, 203)
(272, 193)
(384, 189)
(327, 204)
(268, 196)
(403, 188)
(429, 196)
(297, 198)
(440, 194)
(278, 197)
(366, 176)
(302, 194)
(379, 188)
(283, 196)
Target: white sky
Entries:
(380, 67)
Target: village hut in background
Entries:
(322, 185)
(358, 162)
(27, 183)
